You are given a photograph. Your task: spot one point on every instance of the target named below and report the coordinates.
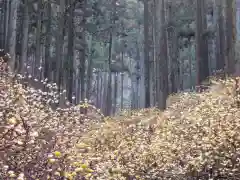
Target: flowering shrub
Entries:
(33, 137)
(197, 137)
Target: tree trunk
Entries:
(122, 80)
(201, 43)
(155, 49)
(230, 35)
(70, 53)
(138, 74)
(37, 70)
(146, 54)
(99, 93)
(162, 85)
(115, 93)
(109, 82)
(82, 67)
(89, 70)
(59, 47)
(6, 24)
(13, 34)
(172, 51)
(219, 36)
(48, 59)
(4, 13)
(102, 90)
(25, 30)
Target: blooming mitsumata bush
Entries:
(197, 137)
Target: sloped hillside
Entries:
(197, 137)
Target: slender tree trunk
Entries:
(201, 43)
(146, 54)
(155, 48)
(70, 53)
(115, 92)
(122, 80)
(6, 24)
(122, 73)
(172, 53)
(58, 76)
(2, 21)
(37, 72)
(13, 33)
(134, 90)
(98, 89)
(82, 56)
(162, 85)
(190, 66)
(151, 52)
(102, 90)
(24, 49)
(230, 35)
(138, 76)
(220, 53)
(89, 70)
(109, 83)
(48, 59)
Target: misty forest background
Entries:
(120, 54)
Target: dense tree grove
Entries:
(119, 89)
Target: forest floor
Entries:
(197, 137)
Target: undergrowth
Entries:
(197, 137)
